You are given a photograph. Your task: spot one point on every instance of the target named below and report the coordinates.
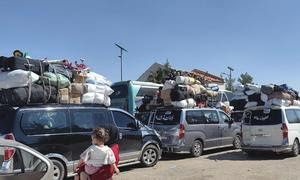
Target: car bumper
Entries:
(278, 149)
(174, 148)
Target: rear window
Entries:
(167, 117)
(263, 117)
(120, 91)
(6, 121)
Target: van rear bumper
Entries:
(174, 148)
(283, 148)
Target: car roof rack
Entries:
(51, 105)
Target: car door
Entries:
(22, 165)
(213, 138)
(83, 121)
(226, 129)
(45, 130)
(130, 135)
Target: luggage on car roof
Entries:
(19, 96)
(14, 63)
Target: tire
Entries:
(295, 149)
(237, 142)
(59, 170)
(197, 148)
(150, 156)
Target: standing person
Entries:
(96, 156)
(160, 101)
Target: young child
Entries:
(97, 155)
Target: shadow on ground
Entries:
(180, 156)
(241, 156)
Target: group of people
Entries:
(100, 160)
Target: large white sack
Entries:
(169, 84)
(182, 104)
(98, 79)
(93, 98)
(17, 78)
(251, 104)
(296, 103)
(191, 103)
(253, 87)
(102, 89)
(280, 102)
(185, 80)
(96, 98)
(107, 101)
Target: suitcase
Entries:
(14, 63)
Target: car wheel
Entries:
(295, 149)
(59, 170)
(150, 156)
(197, 148)
(237, 142)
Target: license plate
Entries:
(164, 138)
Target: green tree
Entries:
(245, 79)
(161, 75)
(229, 83)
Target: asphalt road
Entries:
(225, 164)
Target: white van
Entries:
(276, 129)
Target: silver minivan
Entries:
(195, 130)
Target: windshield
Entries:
(263, 117)
(167, 117)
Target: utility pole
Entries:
(230, 77)
(121, 58)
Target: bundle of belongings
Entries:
(31, 81)
(266, 95)
(187, 92)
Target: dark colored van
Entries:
(62, 133)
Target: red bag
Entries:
(107, 171)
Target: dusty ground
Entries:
(225, 164)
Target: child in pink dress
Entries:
(97, 155)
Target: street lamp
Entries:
(121, 58)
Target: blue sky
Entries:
(261, 37)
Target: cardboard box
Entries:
(75, 100)
(63, 95)
(79, 78)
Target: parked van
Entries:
(276, 129)
(194, 130)
(62, 133)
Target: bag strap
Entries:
(43, 83)
(57, 83)
(29, 82)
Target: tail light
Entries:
(181, 131)
(9, 152)
(285, 132)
